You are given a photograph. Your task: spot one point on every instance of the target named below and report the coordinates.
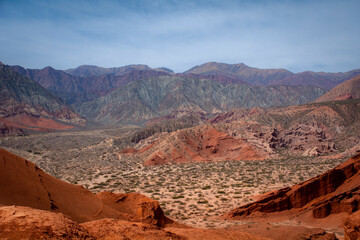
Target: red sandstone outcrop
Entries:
(18, 222)
(352, 226)
(120, 229)
(23, 183)
(136, 207)
(198, 144)
(318, 129)
(336, 191)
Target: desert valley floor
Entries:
(196, 194)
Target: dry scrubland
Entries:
(194, 194)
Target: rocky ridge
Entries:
(336, 191)
(80, 88)
(146, 99)
(266, 77)
(311, 130)
(198, 144)
(255, 76)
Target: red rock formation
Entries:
(199, 144)
(319, 129)
(352, 226)
(137, 207)
(18, 222)
(335, 191)
(23, 183)
(120, 229)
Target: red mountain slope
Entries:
(198, 144)
(347, 90)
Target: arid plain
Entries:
(196, 194)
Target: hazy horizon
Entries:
(297, 36)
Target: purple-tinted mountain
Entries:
(26, 104)
(91, 70)
(318, 79)
(216, 78)
(146, 99)
(254, 76)
(75, 89)
(265, 77)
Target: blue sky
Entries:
(297, 35)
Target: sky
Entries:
(314, 35)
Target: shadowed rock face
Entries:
(136, 206)
(335, 191)
(23, 183)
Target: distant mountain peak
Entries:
(49, 68)
(255, 76)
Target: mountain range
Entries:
(83, 87)
(138, 93)
(150, 98)
(26, 104)
(265, 77)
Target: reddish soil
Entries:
(18, 222)
(284, 232)
(120, 229)
(35, 123)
